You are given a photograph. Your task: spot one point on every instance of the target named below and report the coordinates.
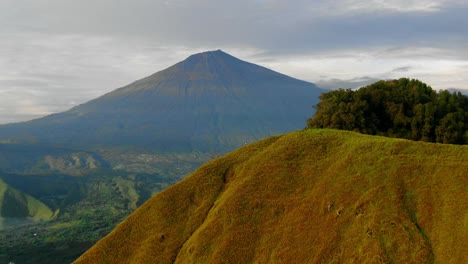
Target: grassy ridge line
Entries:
(306, 197)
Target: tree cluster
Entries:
(401, 108)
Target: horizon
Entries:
(59, 54)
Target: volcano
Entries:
(210, 102)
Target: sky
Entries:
(55, 54)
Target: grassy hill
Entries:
(314, 196)
(16, 204)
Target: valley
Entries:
(86, 209)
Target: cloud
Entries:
(402, 69)
(402, 6)
(67, 51)
(280, 26)
(21, 106)
(346, 84)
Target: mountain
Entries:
(313, 196)
(99, 161)
(210, 102)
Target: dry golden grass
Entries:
(314, 196)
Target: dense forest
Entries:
(401, 108)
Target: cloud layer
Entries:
(59, 53)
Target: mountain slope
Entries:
(315, 196)
(16, 204)
(210, 102)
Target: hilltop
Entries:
(314, 196)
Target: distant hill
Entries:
(210, 102)
(463, 91)
(40, 159)
(314, 196)
(15, 204)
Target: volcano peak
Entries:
(209, 101)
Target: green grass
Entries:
(314, 196)
(16, 204)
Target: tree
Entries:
(401, 108)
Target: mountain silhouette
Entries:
(210, 102)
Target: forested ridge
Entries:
(404, 108)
